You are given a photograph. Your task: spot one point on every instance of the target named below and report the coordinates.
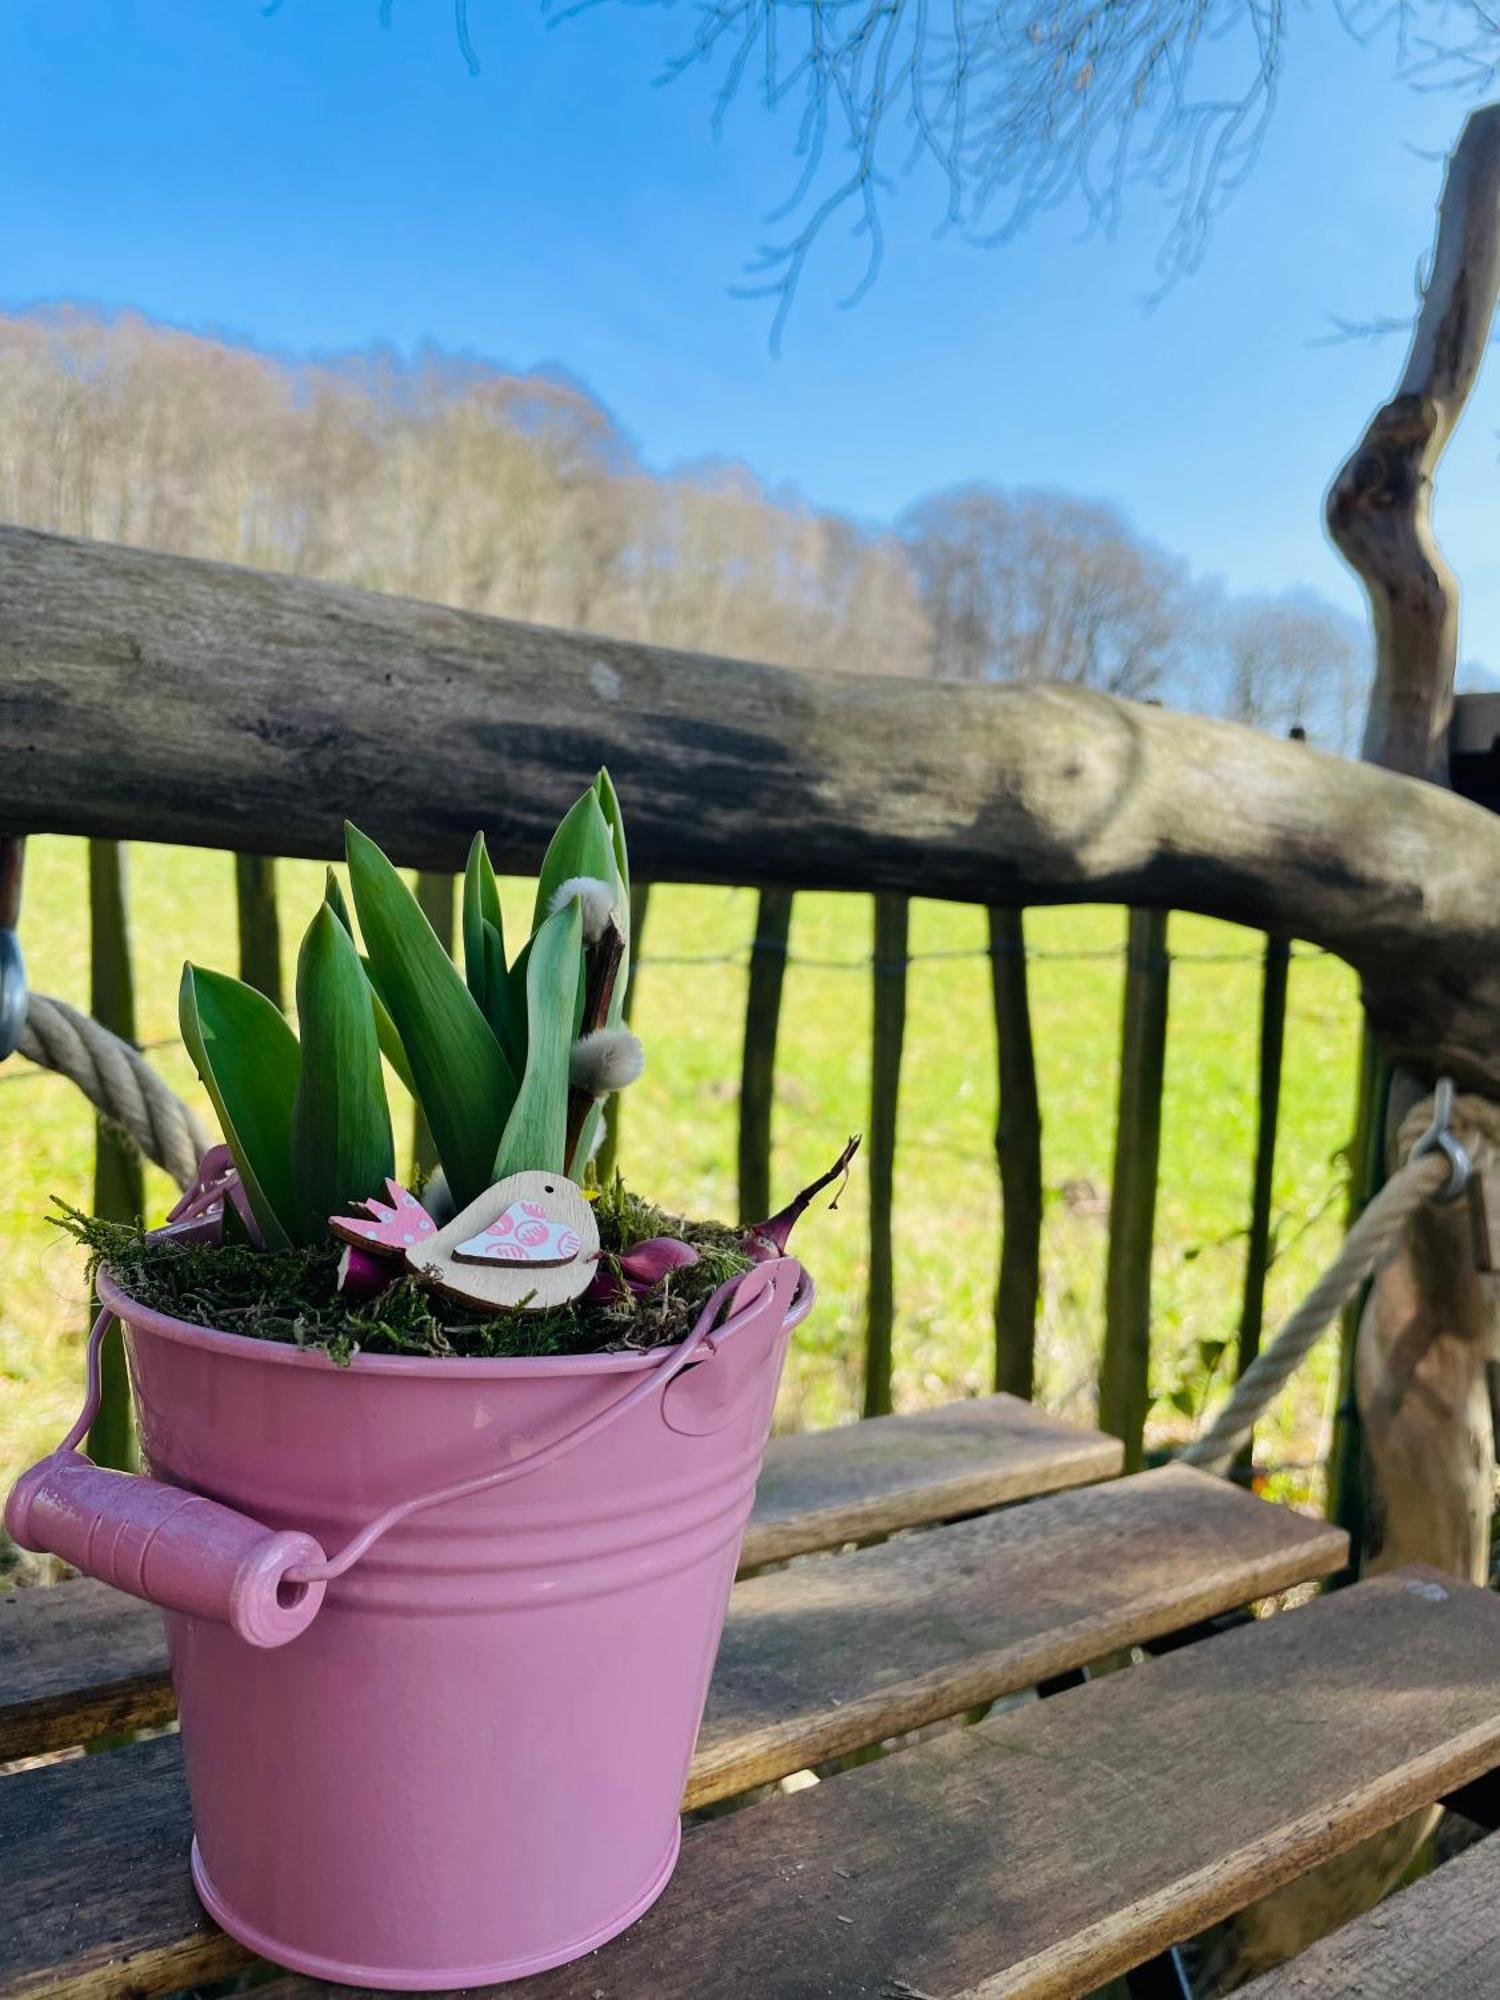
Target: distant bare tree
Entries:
(1292, 662)
(444, 479)
(517, 494)
(1043, 587)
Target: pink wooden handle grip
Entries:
(174, 1548)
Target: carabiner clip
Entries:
(1440, 1138)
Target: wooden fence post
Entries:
(609, 1153)
(1124, 1381)
(1273, 993)
(1275, 970)
(892, 915)
(435, 899)
(1345, 1502)
(773, 924)
(119, 1184)
(260, 925)
(1018, 1150)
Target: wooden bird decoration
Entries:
(529, 1242)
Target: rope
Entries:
(1368, 1245)
(118, 1082)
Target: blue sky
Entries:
(310, 180)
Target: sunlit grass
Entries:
(680, 1121)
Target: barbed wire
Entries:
(740, 958)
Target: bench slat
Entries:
(1045, 1852)
(80, 1661)
(817, 1659)
(1437, 1940)
(827, 1657)
(821, 1488)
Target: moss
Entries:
(291, 1296)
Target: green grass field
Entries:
(679, 1133)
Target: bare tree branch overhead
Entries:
(1015, 108)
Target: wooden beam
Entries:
(255, 712)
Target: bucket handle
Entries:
(188, 1553)
(704, 1337)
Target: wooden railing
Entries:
(155, 698)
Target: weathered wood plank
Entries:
(257, 712)
(892, 924)
(86, 1918)
(824, 1657)
(825, 1487)
(1437, 1940)
(79, 1660)
(817, 1659)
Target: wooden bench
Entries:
(1040, 1852)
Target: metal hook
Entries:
(1439, 1138)
(14, 998)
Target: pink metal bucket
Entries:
(454, 1752)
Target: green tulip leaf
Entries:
(481, 906)
(341, 1124)
(333, 896)
(536, 1133)
(506, 1008)
(385, 1032)
(609, 805)
(464, 1083)
(248, 1060)
(385, 1027)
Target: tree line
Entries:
(517, 494)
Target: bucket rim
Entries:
(516, 1367)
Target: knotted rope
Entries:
(118, 1082)
(1371, 1242)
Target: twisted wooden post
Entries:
(1421, 1391)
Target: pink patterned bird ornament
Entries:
(528, 1243)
